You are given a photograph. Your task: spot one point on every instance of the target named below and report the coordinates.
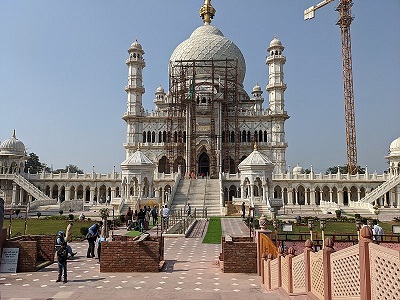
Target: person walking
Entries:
(165, 215)
(68, 232)
(154, 215)
(92, 235)
(62, 256)
(128, 216)
(141, 216)
(377, 231)
(243, 210)
(188, 210)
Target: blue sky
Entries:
(63, 73)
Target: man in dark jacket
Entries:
(92, 235)
(62, 255)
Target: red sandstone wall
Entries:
(239, 255)
(131, 256)
(27, 254)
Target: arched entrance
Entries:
(204, 164)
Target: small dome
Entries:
(257, 88)
(12, 146)
(297, 169)
(256, 159)
(135, 46)
(395, 147)
(137, 159)
(275, 43)
(160, 89)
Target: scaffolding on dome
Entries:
(201, 92)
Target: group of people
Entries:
(65, 251)
(140, 220)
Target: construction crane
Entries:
(345, 19)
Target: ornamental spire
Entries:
(207, 12)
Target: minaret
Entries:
(135, 91)
(276, 89)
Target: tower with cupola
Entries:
(276, 89)
(135, 90)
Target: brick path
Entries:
(190, 272)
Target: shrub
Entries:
(357, 216)
(122, 219)
(17, 211)
(38, 214)
(71, 217)
(338, 213)
(60, 212)
(84, 231)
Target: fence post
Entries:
(291, 252)
(328, 250)
(280, 254)
(365, 271)
(307, 250)
(270, 257)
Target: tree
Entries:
(343, 170)
(33, 164)
(72, 169)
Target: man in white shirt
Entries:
(377, 231)
(165, 215)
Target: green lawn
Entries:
(214, 231)
(45, 226)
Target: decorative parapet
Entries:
(363, 271)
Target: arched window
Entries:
(232, 137)
(248, 136)
(175, 137)
(160, 137)
(265, 136)
(244, 136)
(148, 136)
(153, 137)
(164, 137)
(260, 136)
(255, 136)
(144, 137)
(223, 136)
(184, 137)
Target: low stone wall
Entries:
(132, 256)
(239, 255)
(33, 249)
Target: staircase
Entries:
(381, 190)
(181, 194)
(261, 208)
(40, 198)
(200, 194)
(212, 197)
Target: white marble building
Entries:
(205, 124)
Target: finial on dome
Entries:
(14, 135)
(138, 147)
(207, 12)
(255, 146)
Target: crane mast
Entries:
(345, 19)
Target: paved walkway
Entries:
(234, 227)
(191, 272)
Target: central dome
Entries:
(207, 42)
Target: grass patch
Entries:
(214, 231)
(133, 233)
(46, 227)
